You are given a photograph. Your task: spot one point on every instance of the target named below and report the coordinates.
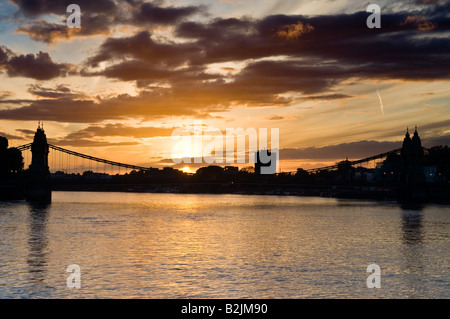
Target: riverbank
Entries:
(440, 195)
(428, 193)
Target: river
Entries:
(138, 245)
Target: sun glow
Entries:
(186, 169)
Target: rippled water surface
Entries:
(222, 246)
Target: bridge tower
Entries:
(416, 175)
(405, 155)
(39, 151)
(412, 177)
(412, 155)
(39, 188)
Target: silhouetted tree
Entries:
(302, 175)
(324, 176)
(3, 148)
(439, 156)
(14, 160)
(246, 174)
(345, 171)
(248, 169)
(211, 172)
(3, 143)
(283, 177)
(11, 160)
(88, 173)
(391, 168)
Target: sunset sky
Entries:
(136, 70)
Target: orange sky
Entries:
(117, 87)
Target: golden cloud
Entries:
(420, 22)
(293, 31)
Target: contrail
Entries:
(381, 103)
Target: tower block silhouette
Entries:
(39, 188)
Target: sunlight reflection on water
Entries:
(221, 246)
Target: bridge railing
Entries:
(363, 160)
(88, 157)
(98, 159)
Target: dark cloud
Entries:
(39, 66)
(264, 81)
(328, 97)
(433, 141)
(337, 40)
(287, 59)
(271, 78)
(4, 52)
(218, 29)
(152, 104)
(110, 130)
(435, 133)
(6, 98)
(14, 101)
(51, 32)
(136, 70)
(98, 17)
(142, 47)
(353, 150)
(427, 1)
(40, 7)
(11, 136)
(27, 133)
(150, 13)
(45, 31)
(58, 92)
(87, 143)
(316, 59)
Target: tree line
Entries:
(11, 160)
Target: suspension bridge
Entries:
(43, 162)
(369, 159)
(69, 161)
